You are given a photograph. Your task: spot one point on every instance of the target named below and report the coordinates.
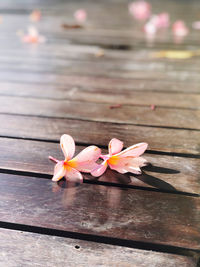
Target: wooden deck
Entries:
(67, 85)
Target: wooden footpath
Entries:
(96, 83)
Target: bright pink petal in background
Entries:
(115, 146)
(68, 146)
(80, 15)
(179, 28)
(140, 10)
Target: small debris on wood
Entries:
(115, 106)
(100, 53)
(153, 107)
(71, 26)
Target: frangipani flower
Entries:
(128, 160)
(80, 15)
(140, 10)
(33, 36)
(70, 168)
(180, 29)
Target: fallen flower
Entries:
(70, 168)
(180, 29)
(157, 22)
(140, 10)
(35, 16)
(33, 36)
(128, 160)
(80, 15)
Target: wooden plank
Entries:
(51, 251)
(164, 117)
(181, 141)
(102, 82)
(97, 95)
(129, 214)
(100, 69)
(167, 173)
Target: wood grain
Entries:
(102, 95)
(181, 141)
(166, 173)
(164, 117)
(103, 211)
(51, 251)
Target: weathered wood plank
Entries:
(166, 173)
(181, 141)
(100, 210)
(97, 95)
(17, 248)
(151, 85)
(100, 69)
(164, 117)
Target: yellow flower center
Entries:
(113, 160)
(70, 164)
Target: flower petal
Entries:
(59, 171)
(67, 145)
(85, 161)
(133, 151)
(115, 146)
(72, 175)
(100, 169)
(129, 164)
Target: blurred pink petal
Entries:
(150, 28)
(86, 160)
(179, 28)
(157, 22)
(163, 20)
(115, 146)
(100, 169)
(196, 25)
(35, 16)
(59, 171)
(80, 15)
(68, 146)
(73, 175)
(33, 36)
(140, 10)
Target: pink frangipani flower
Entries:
(140, 10)
(128, 160)
(33, 36)
(70, 168)
(179, 28)
(80, 15)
